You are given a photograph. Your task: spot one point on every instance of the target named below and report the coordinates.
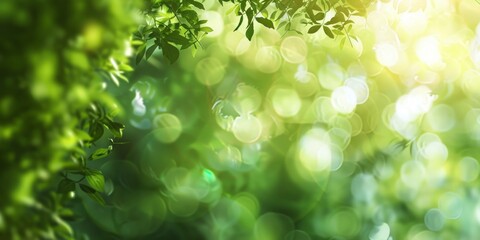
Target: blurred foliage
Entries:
(281, 132)
(292, 137)
(55, 59)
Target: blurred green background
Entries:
(284, 136)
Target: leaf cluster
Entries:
(169, 26)
(312, 13)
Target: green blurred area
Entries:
(51, 56)
(281, 137)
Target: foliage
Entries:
(403, 157)
(56, 62)
(169, 24)
(56, 56)
(203, 170)
(311, 12)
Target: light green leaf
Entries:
(96, 179)
(100, 153)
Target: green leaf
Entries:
(342, 42)
(328, 32)
(230, 10)
(86, 188)
(282, 24)
(66, 186)
(314, 29)
(150, 51)
(310, 14)
(337, 32)
(140, 53)
(265, 22)
(348, 22)
(82, 135)
(96, 131)
(319, 16)
(316, 7)
(197, 4)
(358, 5)
(206, 29)
(96, 179)
(115, 128)
(94, 195)
(239, 23)
(249, 33)
(100, 153)
(62, 228)
(249, 16)
(126, 67)
(243, 5)
(281, 15)
(170, 52)
(265, 5)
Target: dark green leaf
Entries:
(249, 16)
(339, 17)
(185, 46)
(197, 4)
(140, 53)
(319, 16)
(170, 52)
(265, 22)
(328, 32)
(66, 185)
(150, 51)
(177, 38)
(115, 128)
(243, 5)
(189, 15)
(310, 14)
(86, 188)
(95, 179)
(239, 23)
(96, 131)
(94, 195)
(249, 33)
(314, 28)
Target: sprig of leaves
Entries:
(96, 124)
(170, 26)
(312, 14)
